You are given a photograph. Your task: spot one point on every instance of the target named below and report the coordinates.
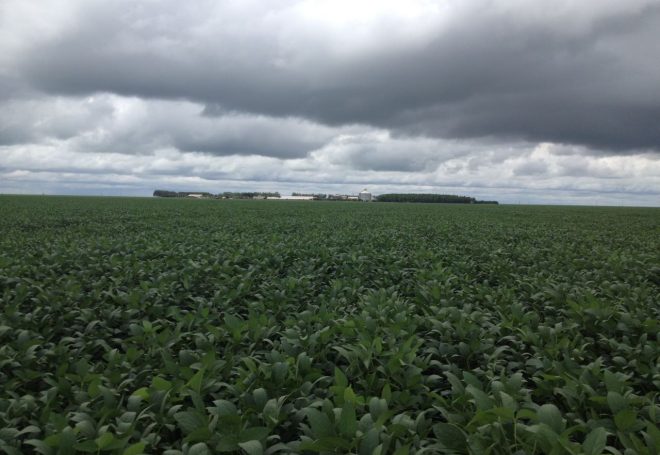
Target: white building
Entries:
(294, 198)
(365, 196)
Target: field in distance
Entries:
(134, 326)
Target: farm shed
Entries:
(295, 198)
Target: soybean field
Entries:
(169, 326)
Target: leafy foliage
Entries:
(133, 326)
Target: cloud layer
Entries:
(506, 98)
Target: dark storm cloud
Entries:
(264, 141)
(237, 134)
(10, 87)
(586, 76)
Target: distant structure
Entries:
(294, 198)
(185, 194)
(365, 196)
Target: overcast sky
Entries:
(515, 100)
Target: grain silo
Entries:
(364, 196)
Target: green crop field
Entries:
(134, 326)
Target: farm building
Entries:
(294, 198)
(365, 196)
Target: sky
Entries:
(521, 101)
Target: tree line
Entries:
(165, 193)
(226, 194)
(430, 198)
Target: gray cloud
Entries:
(246, 135)
(42, 119)
(108, 123)
(378, 151)
(531, 168)
(582, 75)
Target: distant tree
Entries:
(164, 193)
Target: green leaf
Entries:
(254, 434)
(613, 382)
(451, 437)
(105, 440)
(508, 401)
(625, 420)
(7, 434)
(260, 397)
(67, 442)
(348, 420)
(142, 393)
(551, 416)
(135, 449)
(279, 371)
(93, 387)
(252, 447)
(456, 384)
(233, 322)
(201, 434)
(369, 442)
(39, 446)
(161, 384)
(377, 406)
(148, 327)
(653, 436)
(472, 380)
(319, 423)
(616, 402)
(227, 443)
(86, 429)
(482, 400)
(190, 421)
(386, 393)
(544, 435)
(86, 447)
(326, 444)
(349, 395)
(340, 378)
(195, 382)
(271, 411)
(225, 408)
(53, 440)
(595, 442)
(199, 449)
(9, 450)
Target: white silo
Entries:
(364, 196)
